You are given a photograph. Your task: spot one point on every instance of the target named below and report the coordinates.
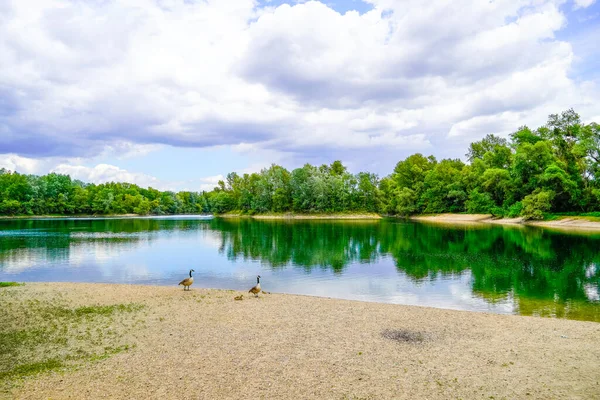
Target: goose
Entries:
(187, 282)
(256, 289)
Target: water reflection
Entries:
(529, 271)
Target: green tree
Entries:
(479, 203)
(487, 144)
(536, 204)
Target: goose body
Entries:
(256, 289)
(187, 282)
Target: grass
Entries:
(102, 310)
(590, 216)
(32, 368)
(10, 284)
(38, 336)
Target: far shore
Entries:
(563, 223)
(134, 341)
(303, 216)
(98, 216)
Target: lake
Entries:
(499, 269)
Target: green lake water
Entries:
(509, 270)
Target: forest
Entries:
(532, 173)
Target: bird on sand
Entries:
(256, 288)
(187, 282)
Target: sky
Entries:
(174, 94)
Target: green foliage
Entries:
(537, 204)
(490, 143)
(515, 210)
(406, 201)
(58, 194)
(505, 177)
(479, 203)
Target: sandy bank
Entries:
(304, 216)
(566, 223)
(203, 344)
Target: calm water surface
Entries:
(511, 270)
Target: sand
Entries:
(566, 223)
(203, 344)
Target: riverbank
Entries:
(204, 344)
(359, 216)
(563, 223)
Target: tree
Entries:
(530, 162)
(479, 203)
(489, 143)
(442, 180)
(536, 204)
(524, 135)
(411, 172)
(406, 201)
(556, 180)
(497, 182)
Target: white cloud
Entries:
(208, 183)
(22, 165)
(583, 3)
(103, 173)
(123, 78)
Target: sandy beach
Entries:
(203, 344)
(566, 223)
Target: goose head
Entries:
(191, 270)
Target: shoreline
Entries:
(563, 223)
(358, 216)
(293, 346)
(102, 216)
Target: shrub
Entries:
(515, 210)
(536, 204)
(479, 203)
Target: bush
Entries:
(10, 207)
(497, 211)
(536, 204)
(480, 203)
(515, 210)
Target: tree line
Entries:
(552, 169)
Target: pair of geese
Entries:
(187, 282)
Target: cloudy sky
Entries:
(176, 93)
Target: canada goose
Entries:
(187, 282)
(256, 289)
(240, 297)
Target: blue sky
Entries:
(341, 6)
(177, 93)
